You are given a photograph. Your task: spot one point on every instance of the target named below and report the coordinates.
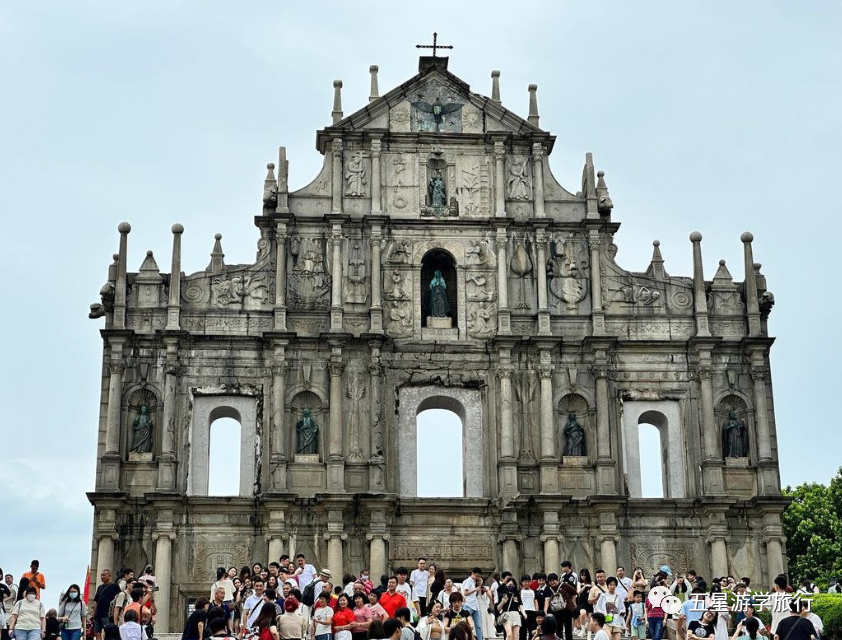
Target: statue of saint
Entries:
(439, 304)
(307, 432)
(355, 175)
(735, 437)
(438, 192)
(574, 437)
(142, 437)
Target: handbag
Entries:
(502, 617)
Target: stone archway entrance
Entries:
(465, 403)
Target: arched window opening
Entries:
(441, 261)
(440, 454)
(652, 456)
(224, 458)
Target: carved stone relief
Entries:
(436, 107)
(480, 287)
(521, 265)
(399, 314)
(356, 389)
(525, 385)
(567, 270)
(482, 321)
(309, 281)
(519, 178)
(356, 175)
(355, 289)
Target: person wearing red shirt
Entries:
(391, 601)
(343, 618)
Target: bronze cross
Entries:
(434, 46)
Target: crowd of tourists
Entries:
(291, 600)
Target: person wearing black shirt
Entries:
(795, 627)
(704, 628)
(105, 594)
(194, 629)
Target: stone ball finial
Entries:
(374, 68)
(178, 228)
(695, 237)
(149, 253)
(124, 227)
(757, 266)
(600, 174)
(337, 84)
(722, 263)
(217, 236)
(533, 87)
(495, 73)
(270, 166)
(656, 243)
(115, 256)
(747, 237)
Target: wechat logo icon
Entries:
(663, 598)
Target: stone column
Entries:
(111, 460)
(752, 303)
(378, 560)
(699, 295)
(281, 277)
(608, 550)
(163, 573)
(105, 555)
(598, 313)
(712, 463)
(550, 539)
(503, 312)
(718, 554)
(335, 536)
(336, 176)
(543, 311)
(120, 285)
(336, 277)
(507, 464)
(174, 302)
(767, 475)
(605, 463)
(511, 558)
(377, 464)
(549, 454)
(500, 178)
(376, 311)
(336, 460)
(376, 147)
(278, 459)
(538, 179)
(167, 459)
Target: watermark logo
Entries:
(663, 598)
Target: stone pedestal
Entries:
(439, 323)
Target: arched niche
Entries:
(307, 399)
(206, 409)
(573, 403)
(135, 399)
(664, 415)
(738, 405)
(465, 403)
(439, 260)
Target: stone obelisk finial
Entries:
(337, 101)
(752, 303)
(699, 295)
(174, 302)
(375, 90)
(495, 86)
(217, 261)
(533, 105)
(120, 286)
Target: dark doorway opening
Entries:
(438, 260)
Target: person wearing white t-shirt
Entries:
(418, 581)
(610, 604)
(596, 626)
(403, 587)
(471, 606)
(305, 572)
(624, 585)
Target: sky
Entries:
(715, 116)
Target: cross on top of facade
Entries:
(434, 46)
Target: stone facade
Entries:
(334, 316)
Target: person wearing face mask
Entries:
(510, 610)
(72, 614)
(28, 619)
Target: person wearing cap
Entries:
(36, 578)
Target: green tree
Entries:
(813, 528)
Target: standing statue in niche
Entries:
(307, 432)
(439, 304)
(736, 437)
(438, 191)
(574, 437)
(142, 436)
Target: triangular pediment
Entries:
(435, 101)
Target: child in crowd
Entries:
(636, 619)
(52, 628)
